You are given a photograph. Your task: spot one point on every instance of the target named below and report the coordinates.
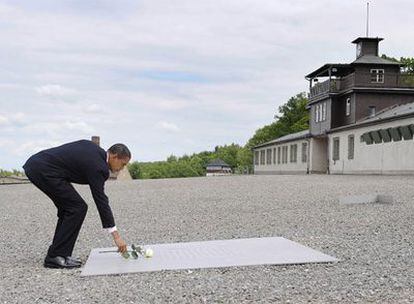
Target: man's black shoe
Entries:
(60, 262)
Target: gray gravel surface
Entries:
(373, 241)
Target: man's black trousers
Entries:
(70, 205)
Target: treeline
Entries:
(14, 172)
(293, 117)
(407, 68)
(239, 158)
(406, 62)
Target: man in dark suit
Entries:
(81, 162)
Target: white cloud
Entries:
(81, 126)
(3, 120)
(12, 119)
(18, 118)
(168, 126)
(171, 104)
(57, 92)
(93, 109)
(59, 129)
(54, 90)
(31, 147)
(6, 142)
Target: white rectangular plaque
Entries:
(207, 254)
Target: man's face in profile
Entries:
(116, 164)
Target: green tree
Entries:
(293, 117)
(244, 160)
(172, 158)
(154, 173)
(184, 157)
(408, 71)
(264, 134)
(6, 173)
(228, 153)
(198, 165)
(408, 65)
(135, 170)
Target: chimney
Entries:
(96, 140)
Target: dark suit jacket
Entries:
(80, 162)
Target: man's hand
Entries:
(119, 242)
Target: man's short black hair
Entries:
(120, 150)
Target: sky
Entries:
(170, 77)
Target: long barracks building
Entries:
(361, 121)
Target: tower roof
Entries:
(377, 39)
(367, 53)
(370, 59)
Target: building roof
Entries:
(286, 138)
(367, 39)
(323, 71)
(341, 69)
(372, 59)
(217, 162)
(391, 113)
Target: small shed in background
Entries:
(217, 167)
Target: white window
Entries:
(371, 111)
(377, 75)
(324, 111)
(317, 113)
(348, 106)
(320, 112)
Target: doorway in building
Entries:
(319, 161)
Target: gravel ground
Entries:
(373, 241)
